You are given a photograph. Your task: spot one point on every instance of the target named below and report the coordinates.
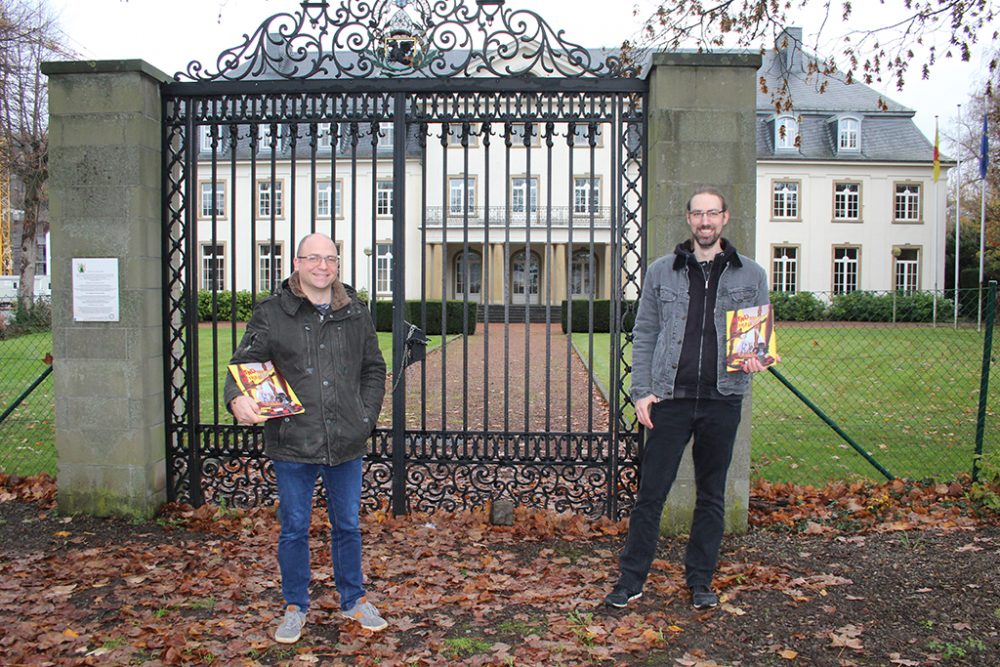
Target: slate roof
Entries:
(887, 134)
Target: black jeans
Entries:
(713, 423)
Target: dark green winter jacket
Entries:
(333, 365)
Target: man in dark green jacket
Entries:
(323, 341)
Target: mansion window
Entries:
(846, 267)
(847, 202)
(468, 274)
(272, 135)
(785, 269)
(586, 195)
(521, 201)
(785, 200)
(383, 268)
(213, 200)
(205, 138)
(525, 275)
(269, 266)
(584, 132)
(269, 199)
(325, 204)
(213, 267)
(461, 194)
(849, 134)
(41, 263)
(786, 134)
(383, 198)
(906, 207)
(458, 131)
(519, 130)
(907, 269)
(583, 273)
(326, 135)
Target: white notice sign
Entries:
(95, 289)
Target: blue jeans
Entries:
(296, 482)
(713, 423)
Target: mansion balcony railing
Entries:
(498, 216)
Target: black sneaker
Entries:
(621, 596)
(703, 597)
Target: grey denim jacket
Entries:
(659, 325)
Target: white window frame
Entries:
(846, 274)
(324, 135)
(786, 200)
(205, 197)
(383, 197)
(323, 203)
(848, 135)
(843, 199)
(785, 269)
(527, 287)
(906, 272)
(907, 198)
(475, 265)
(583, 276)
(581, 136)
(455, 135)
(522, 202)
(786, 140)
(581, 202)
(383, 267)
(41, 259)
(208, 264)
(459, 187)
(266, 261)
(264, 138)
(275, 198)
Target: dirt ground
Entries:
(201, 587)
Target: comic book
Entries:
(263, 383)
(750, 333)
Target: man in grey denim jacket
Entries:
(680, 388)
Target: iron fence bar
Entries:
(234, 265)
(191, 316)
(568, 266)
(445, 129)
(215, 285)
(508, 274)
(614, 314)
(166, 254)
(592, 143)
(984, 382)
(526, 276)
(550, 273)
(399, 302)
(832, 424)
(484, 133)
(422, 139)
(24, 394)
(465, 270)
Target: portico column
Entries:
(558, 271)
(497, 274)
(433, 286)
(606, 273)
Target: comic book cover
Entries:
(263, 383)
(750, 333)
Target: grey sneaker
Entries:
(291, 626)
(366, 614)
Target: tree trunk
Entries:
(29, 245)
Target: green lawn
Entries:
(27, 435)
(907, 395)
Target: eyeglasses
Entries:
(711, 214)
(316, 259)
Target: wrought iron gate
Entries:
(475, 168)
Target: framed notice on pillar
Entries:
(95, 289)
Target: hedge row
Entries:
(383, 311)
(602, 316)
(859, 307)
(415, 312)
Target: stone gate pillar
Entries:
(105, 202)
(702, 122)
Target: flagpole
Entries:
(958, 208)
(937, 217)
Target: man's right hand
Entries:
(642, 410)
(246, 410)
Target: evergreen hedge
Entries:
(602, 315)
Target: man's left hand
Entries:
(753, 365)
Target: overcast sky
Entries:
(169, 34)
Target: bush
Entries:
(414, 312)
(224, 305)
(888, 307)
(602, 315)
(800, 307)
(35, 317)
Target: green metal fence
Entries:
(27, 414)
(899, 374)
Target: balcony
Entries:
(500, 216)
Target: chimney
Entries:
(788, 44)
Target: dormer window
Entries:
(848, 134)
(786, 134)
